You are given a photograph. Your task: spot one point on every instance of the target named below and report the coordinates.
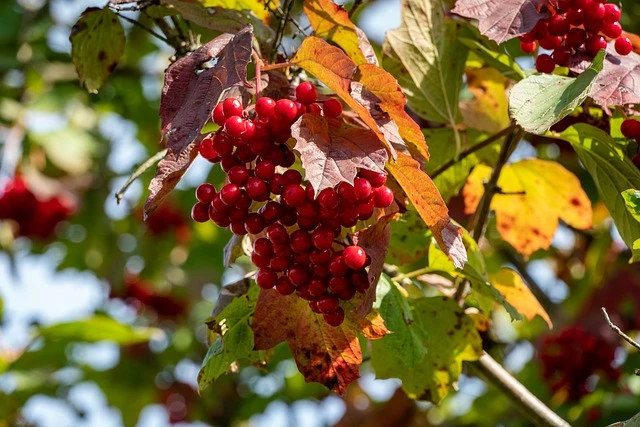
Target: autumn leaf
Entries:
(429, 340)
(538, 193)
(259, 7)
(425, 197)
(502, 20)
(331, 155)
(489, 110)
(324, 354)
(336, 70)
(517, 293)
(97, 44)
(188, 97)
(330, 21)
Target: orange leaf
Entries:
(424, 195)
(538, 194)
(332, 22)
(324, 354)
(392, 102)
(336, 70)
(517, 293)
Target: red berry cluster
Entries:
(630, 128)
(576, 23)
(36, 219)
(297, 250)
(571, 357)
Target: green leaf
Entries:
(410, 239)
(430, 339)
(612, 171)
(540, 101)
(69, 149)
(489, 52)
(97, 44)
(235, 340)
(98, 328)
(631, 199)
(426, 57)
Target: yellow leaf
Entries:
(517, 293)
(330, 21)
(537, 194)
(489, 110)
(259, 7)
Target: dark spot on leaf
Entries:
(112, 67)
(102, 55)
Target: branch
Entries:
(633, 422)
(282, 25)
(141, 169)
(144, 27)
(479, 146)
(618, 331)
(356, 5)
(492, 372)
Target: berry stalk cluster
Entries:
(296, 231)
(575, 24)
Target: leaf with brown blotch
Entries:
(517, 293)
(332, 22)
(502, 20)
(375, 242)
(392, 102)
(336, 70)
(538, 193)
(424, 195)
(189, 95)
(324, 354)
(330, 155)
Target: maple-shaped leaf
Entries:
(425, 197)
(331, 155)
(97, 44)
(336, 70)
(323, 353)
(517, 293)
(190, 93)
(538, 193)
(429, 340)
(502, 20)
(332, 22)
(618, 83)
(375, 242)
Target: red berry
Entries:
(249, 131)
(362, 188)
(306, 93)
(265, 107)
(332, 108)
(561, 55)
(266, 278)
(200, 212)
(300, 241)
(623, 46)
(328, 303)
(545, 63)
(612, 13)
(265, 169)
(294, 195)
(322, 238)
(254, 223)
(539, 31)
(550, 42)
(317, 287)
(528, 47)
(594, 44)
(314, 109)
(328, 199)
(218, 116)
(612, 29)
(257, 189)
(205, 193)
(558, 25)
(595, 10)
(278, 183)
(575, 16)
(237, 227)
(293, 176)
(280, 263)
(272, 212)
(382, 197)
(284, 286)
(260, 261)
(360, 279)
(377, 179)
(337, 266)
(630, 128)
(285, 110)
(318, 256)
(207, 151)
(298, 274)
(354, 257)
(229, 194)
(235, 126)
(334, 318)
(277, 233)
(346, 192)
(232, 107)
(222, 145)
(263, 247)
(238, 175)
(576, 38)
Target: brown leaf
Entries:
(424, 195)
(324, 354)
(332, 22)
(336, 70)
(392, 102)
(375, 242)
(503, 20)
(330, 155)
(188, 97)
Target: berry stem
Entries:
(618, 331)
(139, 171)
(259, 65)
(276, 66)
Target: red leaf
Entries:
(502, 20)
(324, 354)
(618, 83)
(375, 242)
(330, 155)
(188, 97)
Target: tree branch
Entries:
(633, 422)
(282, 25)
(141, 169)
(618, 331)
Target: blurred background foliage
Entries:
(71, 258)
